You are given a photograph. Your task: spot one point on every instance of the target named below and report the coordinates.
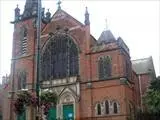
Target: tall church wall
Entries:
(92, 90)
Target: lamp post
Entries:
(38, 58)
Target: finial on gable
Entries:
(48, 14)
(87, 22)
(17, 13)
(86, 10)
(59, 4)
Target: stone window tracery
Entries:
(59, 58)
(107, 107)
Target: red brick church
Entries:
(93, 78)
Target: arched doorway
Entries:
(68, 112)
(67, 106)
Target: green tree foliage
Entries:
(48, 97)
(155, 84)
(152, 97)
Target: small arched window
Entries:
(115, 108)
(105, 67)
(99, 112)
(107, 107)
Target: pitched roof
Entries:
(142, 66)
(60, 14)
(106, 37)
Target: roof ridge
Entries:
(142, 58)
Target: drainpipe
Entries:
(37, 67)
(140, 89)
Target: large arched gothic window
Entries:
(59, 58)
(105, 67)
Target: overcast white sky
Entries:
(137, 22)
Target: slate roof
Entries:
(142, 66)
(106, 37)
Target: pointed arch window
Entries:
(22, 77)
(105, 67)
(59, 58)
(106, 107)
(128, 68)
(115, 108)
(99, 111)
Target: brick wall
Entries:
(110, 89)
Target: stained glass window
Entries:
(105, 67)
(59, 58)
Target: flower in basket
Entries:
(19, 107)
(48, 99)
(33, 99)
(24, 98)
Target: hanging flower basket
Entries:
(24, 98)
(48, 100)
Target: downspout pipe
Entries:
(38, 58)
(140, 90)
